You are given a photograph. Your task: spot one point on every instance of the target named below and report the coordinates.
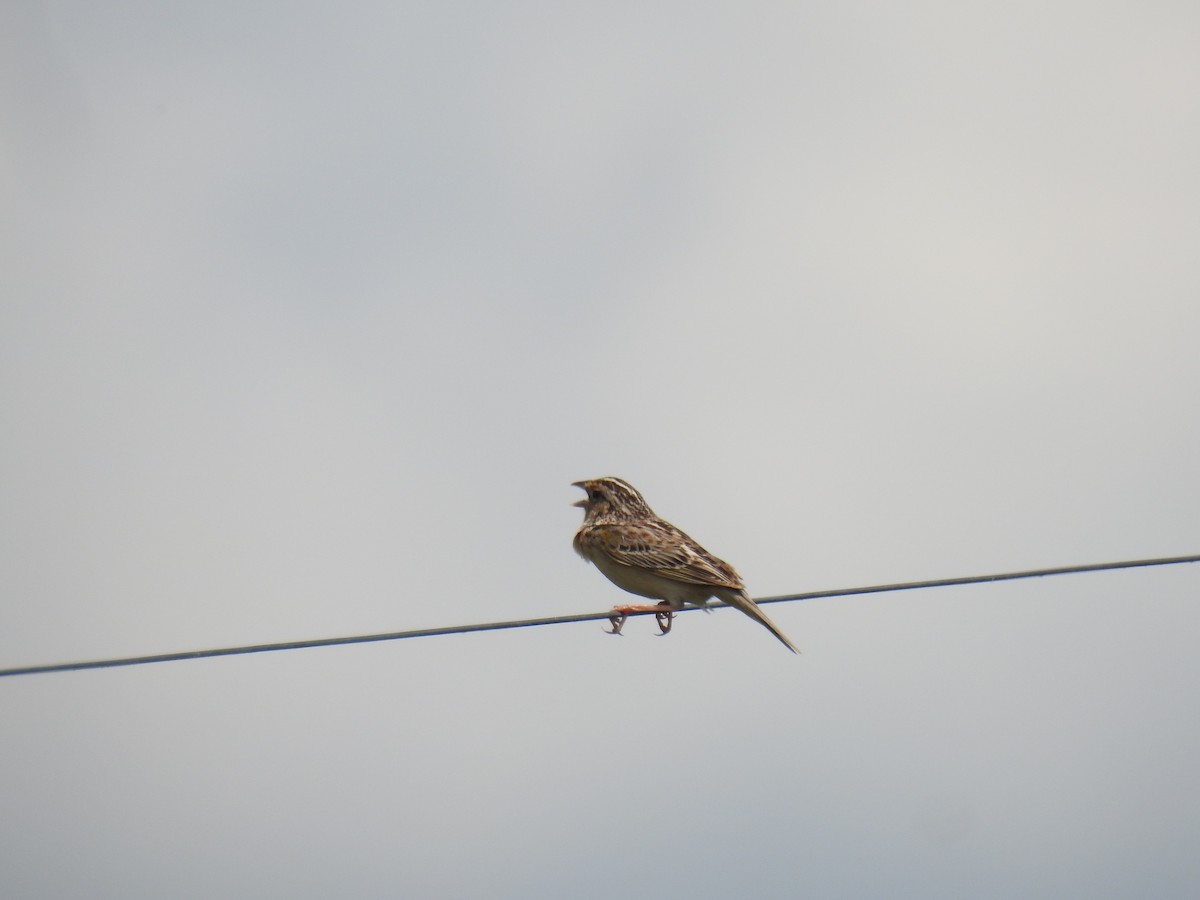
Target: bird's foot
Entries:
(663, 614)
(664, 620)
(617, 620)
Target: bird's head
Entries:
(611, 499)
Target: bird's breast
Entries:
(648, 583)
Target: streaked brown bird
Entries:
(646, 555)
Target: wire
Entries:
(581, 617)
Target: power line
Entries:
(581, 617)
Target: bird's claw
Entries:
(617, 620)
(664, 620)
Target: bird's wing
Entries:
(667, 551)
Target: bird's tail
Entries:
(741, 600)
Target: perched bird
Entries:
(648, 556)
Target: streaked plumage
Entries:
(648, 556)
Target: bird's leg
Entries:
(663, 613)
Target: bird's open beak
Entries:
(582, 504)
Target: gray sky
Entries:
(311, 313)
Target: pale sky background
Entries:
(312, 312)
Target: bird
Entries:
(644, 554)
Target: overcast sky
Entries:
(310, 314)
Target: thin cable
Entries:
(581, 617)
